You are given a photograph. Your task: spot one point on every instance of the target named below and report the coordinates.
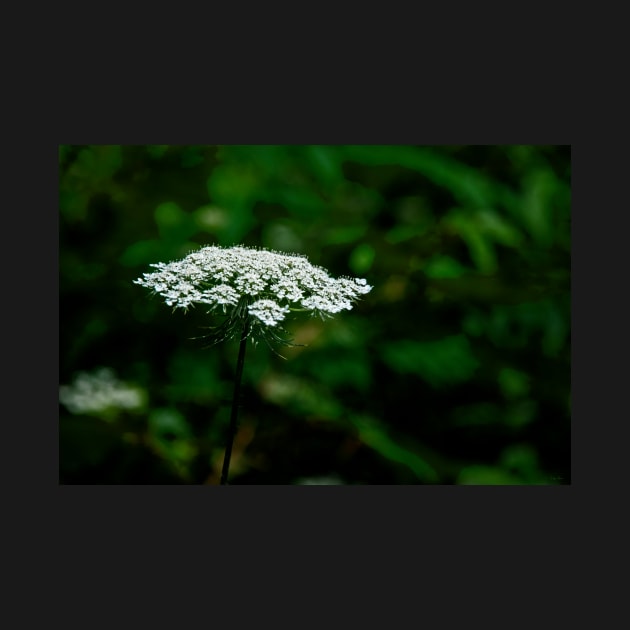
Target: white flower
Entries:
(99, 392)
(221, 294)
(257, 282)
(268, 311)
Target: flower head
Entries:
(100, 392)
(245, 282)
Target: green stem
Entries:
(235, 400)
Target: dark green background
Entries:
(455, 369)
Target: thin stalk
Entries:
(235, 400)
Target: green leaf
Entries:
(192, 156)
(479, 243)
(156, 151)
(467, 184)
(361, 258)
(500, 230)
(142, 253)
(537, 206)
(486, 476)
(174, 225)
(300, 202)
(345, 234)
(374, 435)
(400, 233)
(324, 164)
(352, 369)
(166, 420)
(444, 267)
(448, 361)
(513, 383)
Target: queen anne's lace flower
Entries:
(268, 311)
(99, 392)
(257, 282)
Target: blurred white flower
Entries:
(100, 392)
(260, 283)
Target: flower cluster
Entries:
(260, 283)
(99, 392)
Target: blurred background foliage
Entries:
(455, 369)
